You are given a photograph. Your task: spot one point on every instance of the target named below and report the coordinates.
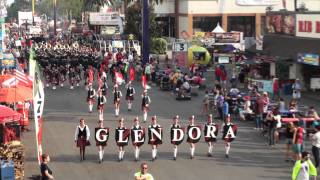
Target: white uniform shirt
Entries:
(315, 140)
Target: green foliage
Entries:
(69, 8)
(158, 46)
(134, 21)
(18, 5)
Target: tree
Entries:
(18, 5)
(133, 21)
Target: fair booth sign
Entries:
(310, 59)
(308, 25)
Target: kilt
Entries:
(189, 140)
(92, 100)
(82, 142)
(228, 139)
(122, 144)
(138, 144)
(145, 106)
(209, 139)
(116, 101)
(100, 106)
(129, 98)
(101, 143)
(176, 142)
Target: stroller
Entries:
(165, 83)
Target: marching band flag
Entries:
(119, 78)
(144, 82)
(38, 104)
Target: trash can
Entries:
(6, 170)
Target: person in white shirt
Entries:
(315, 141)
(143, 173)
(81, 137)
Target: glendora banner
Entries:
(193, 134)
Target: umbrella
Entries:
(8, 115)
(218, 29)
(12, 95)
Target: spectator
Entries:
(143, 173)
(206, 103)
(46, 172)
(282, 104)
(289, 135)
(259, 111)
(296, 88)
(315, 141)
(298, 141)
(304, 168)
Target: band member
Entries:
(90, 75)
(138, 137)
(101, 101)
(81, 138)
(117, 97)
(229, 131)
(47, 74)
(101, 136)
(78, 75)
(145, 105)
(155, 136)
(194, 135)
(55, 77)
(210, 133)
(90, 97)
(176, 134)
(130, 95)
(122, 138)
(72, 77)
(104, 87)
(63, 74)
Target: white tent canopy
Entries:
(218, 29)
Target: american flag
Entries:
(19, 78)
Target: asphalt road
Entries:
(250, 156)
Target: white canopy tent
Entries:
(218, 29)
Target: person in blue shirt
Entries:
(225, 109)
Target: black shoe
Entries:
(100, 161)
(174, 158)
(209, 155)
(191, 157)
(119, 160)
(153, 159)
(227, 156)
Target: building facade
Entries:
(247, 16)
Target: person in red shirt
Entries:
(298, 141)
(276, 91)
(259, 111)
(90, 76)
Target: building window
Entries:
(166, 26)
(245, 24)
(205, 24)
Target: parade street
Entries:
(250, 156)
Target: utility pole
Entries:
(145, 32)
(55, 16)
(295, 5)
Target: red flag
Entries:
(119, 78)
(132, 74)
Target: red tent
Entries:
(8, 115)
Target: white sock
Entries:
(227, 149)
(210, 149)
(116, 112)
(153, 153)
(120, 154)
(175, 152)
(90, 107)
(145, 117)
(137, 153)
(129, 105)
(100, 155)
(156, 152)
(192, 151)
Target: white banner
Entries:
(308, 25)
(257, 2)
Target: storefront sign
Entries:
(103, 19)
(180, 47)
(308, 25)
(257, 2)
(232, 37)
(7, 61)
(280, 23)
(311, 59)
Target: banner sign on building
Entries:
(98, 18)
(263, 85)
(280, 23)
(308, 25)
(257, 2)
(24, 17)
(306, 58)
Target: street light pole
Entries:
(55, 16)
(145, 32)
